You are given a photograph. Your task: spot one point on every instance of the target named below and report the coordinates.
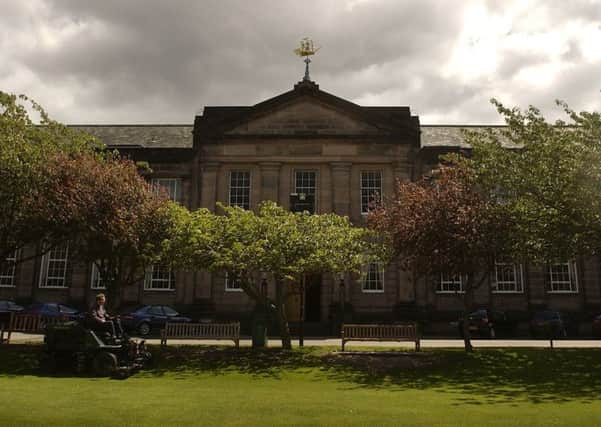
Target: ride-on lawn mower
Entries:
(72, 345)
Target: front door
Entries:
(313, 298)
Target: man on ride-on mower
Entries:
(100, 321)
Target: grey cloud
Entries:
(157, 61)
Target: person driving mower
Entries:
(100, 321)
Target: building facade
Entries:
(337, 154)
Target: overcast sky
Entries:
(161, 61)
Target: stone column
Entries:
(270, 180)
(208, 185)
(341, 187)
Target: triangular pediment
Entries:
(304, 116)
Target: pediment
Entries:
(304, 116)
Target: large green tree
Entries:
(546, 177)
(283, 244)
(26, 216)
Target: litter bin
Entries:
(259, 328)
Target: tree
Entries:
(116, 220)
(547, 177)
(25, 147)
(284, 244)
(443, 224)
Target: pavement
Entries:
(335, 342)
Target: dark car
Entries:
(487, 323)
(150, 318)
(52, 309)
(6, 308)
(597, 326)
(548, 323)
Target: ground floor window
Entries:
(507, 278)
(54, 268)
(373, 278)
(96, 280)
(562, 278)
(159, 278)
(7, 271)
(232, 284)
(449, 283)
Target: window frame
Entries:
(365, 278)
(12, 268)
(226, 285)
(95, 278)
(518, 271)
(573, 275)
(157, 185)
(45, 264)
(149, 280)
(362, 188)
(315, 184)
(440, 281)
(248, 188)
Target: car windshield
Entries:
(169, 311)
(156, 310)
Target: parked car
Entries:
(487, 323)
(597, 326)
(51, 309)
(548, 323)
(146, 319)
(6, 308)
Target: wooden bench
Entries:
(216, 331)
(357, 332)
(26, 323)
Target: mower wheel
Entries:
(104, 364)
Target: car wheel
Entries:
(104, 364)
(144, 329)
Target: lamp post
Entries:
(341, 297)
(264, 285)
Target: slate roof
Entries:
(146, 136)
(180, 136)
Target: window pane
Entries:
(371, 189)
(240, 189)
(171, 186)
(54, 268)
(449, 283)
(7, 271)
(160, 278)
(373, 280)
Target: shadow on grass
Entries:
(487, 376)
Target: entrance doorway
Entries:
(313, 298)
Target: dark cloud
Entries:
(157, 61)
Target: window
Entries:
(96, 280)
(507, 278)
(371, 189)
(240, 189)
(159, 278)
(373, 278)
(232, 285)
(305, 183)
(7, 272)
(54, 268)
(170, 185)
(562, 277)
(449, 283)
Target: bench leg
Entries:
(237, 342)
(343, 342)
(417, 346)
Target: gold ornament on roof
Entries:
(306, 49)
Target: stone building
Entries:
(338, 153)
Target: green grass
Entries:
(219, 386)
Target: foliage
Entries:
(443, 224)
(117, 221)
(547, 177)
(26, 216)
(275, 241)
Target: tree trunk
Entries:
(280, 295)
(468, 302)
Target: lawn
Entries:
(220, 386)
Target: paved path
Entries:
(335, 342)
